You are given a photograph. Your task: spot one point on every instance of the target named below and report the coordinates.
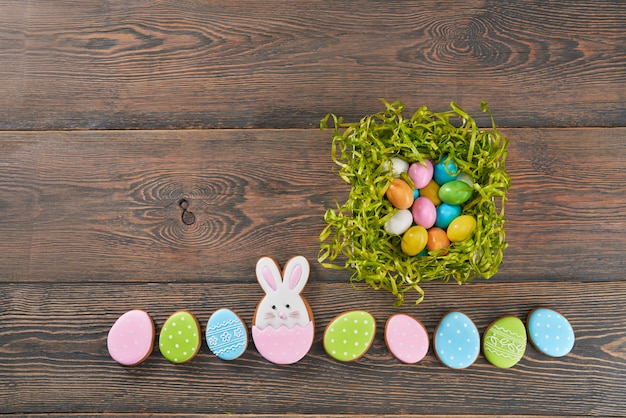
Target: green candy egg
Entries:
(504, 342)
(349, 335)
(455, 192)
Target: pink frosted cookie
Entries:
(131, 338)
(283, 322)
(406, 338)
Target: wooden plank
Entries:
(105, 206)
(54, 355)
(146, 64)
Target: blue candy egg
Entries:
(226, 334)
(456, 341)
(416, 194)
(446, 213)
(446, 170)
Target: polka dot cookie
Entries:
(131, 338)
(406, 338)
(504, 342)
(550, 332)
(349, 335)
(456, 341)
(226, 334)
(180, 340)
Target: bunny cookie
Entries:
(283, 327)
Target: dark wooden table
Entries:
(111, 112)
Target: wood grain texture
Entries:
(191, 64)
(54, 354)
(108, 203)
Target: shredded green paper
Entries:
(354, 237)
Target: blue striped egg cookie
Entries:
(226, 334)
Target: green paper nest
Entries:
(354, 238)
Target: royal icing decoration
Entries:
(283, 328)
(550, 332)
(504, 342)
(226, 334)
(349, 335)
(456, 342)
(406, 338)
(180, 340)
(131, 338)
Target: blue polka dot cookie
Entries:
(550, 332)
(226, 334)
(456, 341)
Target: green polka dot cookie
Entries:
(504, 342)
(349, 335)
(180, 339)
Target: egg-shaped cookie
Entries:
(349, 335)
(131, 338)
(504, 342)
(456, 341)
(406, 338)
(550, 332)
(180, 340)
(226, 334)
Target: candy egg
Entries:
(445, 171)
(226, 334)
(406, 338)
(550, 332)
(431, 191)
(400, 194)
(461, 228)
(424, 212)
(465, 178)
(504, 342)
(456, 341)
(437, 240)
(349, 335)
(421, 174)
(414, 240)
(131, 339)
(446, 213)
(180, 340)
(399, 222)
(398, 166)
(455, 192)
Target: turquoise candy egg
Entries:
(416, 194)
(446, 213)
(455, 192)
(445, 171)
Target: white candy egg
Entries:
(399, 222)
(398, 166)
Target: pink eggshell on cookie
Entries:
(283, 345)
(406, 338)
(131, 338)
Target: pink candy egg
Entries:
(420, 174)
(424, 212)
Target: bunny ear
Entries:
(268, 275)
(296, 273)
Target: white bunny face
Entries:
(282, 305)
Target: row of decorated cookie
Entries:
(283, 330)
(456, 341)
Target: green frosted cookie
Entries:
(180, 337)
(504, 342)
(349, 335)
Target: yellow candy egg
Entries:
(461, 228)
(400, 194)
(431, 191)
(414, 240)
